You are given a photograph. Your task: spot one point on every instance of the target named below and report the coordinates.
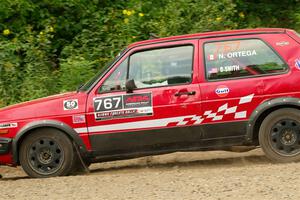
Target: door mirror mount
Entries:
(130, 86)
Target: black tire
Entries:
(279, 135)
(47, 152)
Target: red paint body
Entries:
(165, 103)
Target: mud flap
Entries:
(86, 169)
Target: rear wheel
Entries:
(47, 152)
(279, 135)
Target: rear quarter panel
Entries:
(286, 84)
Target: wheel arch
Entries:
(27, 129)
(263, 110)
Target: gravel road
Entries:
(200, 175)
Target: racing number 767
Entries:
(108, 103)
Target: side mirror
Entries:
(130, 86)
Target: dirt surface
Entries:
(200, 175)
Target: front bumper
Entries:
(5, 144)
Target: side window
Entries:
(161, 67)
(116, 81)
(238, 58)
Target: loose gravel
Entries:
(197, 175)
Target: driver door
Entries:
(158, 114)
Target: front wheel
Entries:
(279, 135)
(47, 152)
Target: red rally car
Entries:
(193, 92)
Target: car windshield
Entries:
(91, 82)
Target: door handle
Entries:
(185, 93)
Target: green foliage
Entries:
(52, 46)
(75, 70)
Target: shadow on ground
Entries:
(14, 178)
(203, 163)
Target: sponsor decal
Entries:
(71, 104)
(231, 68)
(211, 57)
(123, 106)
(222, 91)
(237, 54)
(297, 63)
(231, 54)
(137, 100)
(8, 125)
(77, 119)
(125, 113)
(226, 47)
(282, 43)
(213, 70)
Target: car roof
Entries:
(210, 34)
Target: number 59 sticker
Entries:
(71, 104)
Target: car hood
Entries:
(47, 106)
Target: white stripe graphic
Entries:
(133, 125)
(198, 119)
(224, 107)
(216, 118)
(155, 123)
(207, 112)
(231, 110)
(240, 115)
(81, 130)
(212, 115)
(246, 99)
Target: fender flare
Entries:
(266, 107)
(50, 124)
